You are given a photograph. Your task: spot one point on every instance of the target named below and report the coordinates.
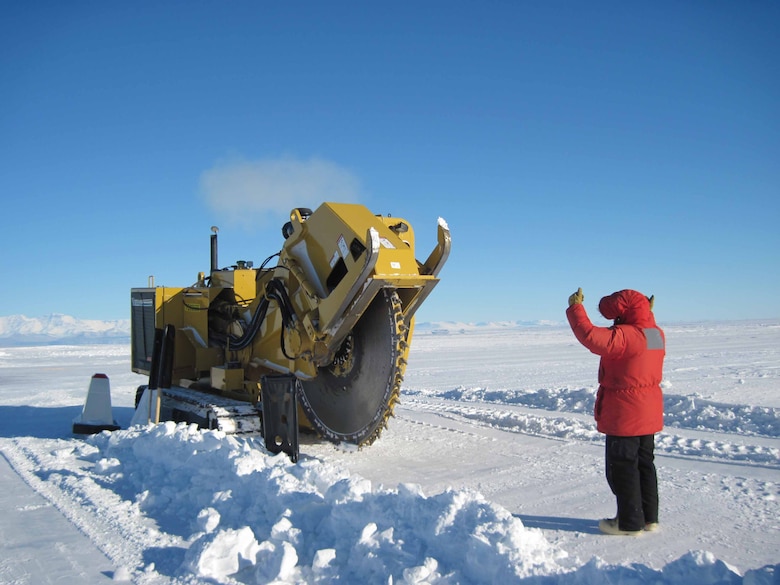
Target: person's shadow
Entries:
(584, 525)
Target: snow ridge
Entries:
(690, 412)
(573, 429)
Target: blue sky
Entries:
(605, 145)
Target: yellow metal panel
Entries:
(244, 285)
(226, 379)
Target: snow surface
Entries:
(492, 472)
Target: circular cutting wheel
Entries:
(351, 398)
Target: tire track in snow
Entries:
(684, 412)
(568, 428)
(115, 526)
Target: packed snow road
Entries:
(548, 471)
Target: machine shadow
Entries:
(584, 525)
(48, 422)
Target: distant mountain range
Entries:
(454, 327)
(57, 329)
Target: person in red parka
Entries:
(629, 402)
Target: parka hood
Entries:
(629, 306)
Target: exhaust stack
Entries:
(214, 261)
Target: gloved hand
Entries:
(651, 299)
(576, 298)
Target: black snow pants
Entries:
(632, 478)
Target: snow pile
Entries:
(223, 510)
(247, 516)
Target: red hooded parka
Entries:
(629, 402)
